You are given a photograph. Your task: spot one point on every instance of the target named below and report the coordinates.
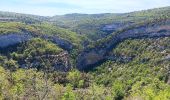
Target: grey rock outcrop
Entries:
(64, 44)
(12, 39)
(59, 62)
(92, 56)
(9, 42)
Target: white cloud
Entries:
(43, 7)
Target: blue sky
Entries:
(59, 7)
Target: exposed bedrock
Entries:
(64, 44)
(9, 43)
(110, 28)
(12, 39)
(58, 61)
(90, 57)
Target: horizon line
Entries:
(81, 13)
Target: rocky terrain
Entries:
(92, 56)
(122, 56)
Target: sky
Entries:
(60, 7)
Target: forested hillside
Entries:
(122, 56)
(97, 26)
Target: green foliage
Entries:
(17, 17)
(152, 91)
(44, 28)
(30, 84)
(68, 95)
(10, 27)
(91, 25)
(74, 77)
(41, 47)
(140, 73)
(36, 50)
(142, 76)
(11, 65)
(77, 79)
(118, 90)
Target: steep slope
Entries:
(97, 26)
(58, 35)
(144, 76)
(42, 61)
(100, 52)
(29, 44)
(94, 26)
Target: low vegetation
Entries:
(40, 69)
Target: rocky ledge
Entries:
(93, 56)
(12, 39)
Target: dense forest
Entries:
(121, 56)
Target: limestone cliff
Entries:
(92, 56)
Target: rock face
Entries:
(64, 44)
(56, 62)
(62, 62)
(98, 54)
(12, 39)
(110, 28)
(167, 57)
(9, 42)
